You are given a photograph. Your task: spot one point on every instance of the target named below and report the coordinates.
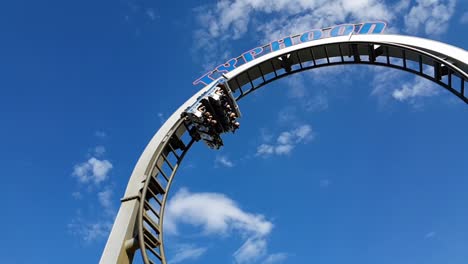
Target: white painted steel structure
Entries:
(139, 222)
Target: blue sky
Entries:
(333, 166)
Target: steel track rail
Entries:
(139, 223)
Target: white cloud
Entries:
(89, 231)
(77, 195)
(296, 86)
(93, 170)
(187, 252)
(317, 103)
(97, 223)
(394, 85)
(236, 16)
(419, 87)
(402, 6)
(285, 138)
(95, 231)
(303, 133)
(251, 251)
(96, 228)
(275, 258)
(287, 115)
(150, 12)
(105, 200)
(229, 20)
(286, 141)
(266, 135)
(100, 134)
(431, 15)
(217, 214)
(139, 11)
(283, 149)
(265, 149)
(99, 151)
(223, 161)
(430, 235)
(384, 83)
(162, 118)
(308, 99)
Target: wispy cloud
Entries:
(296, 87)
(217, 214)
(100, 134)
(89, 231)
(151, 13)
(392, 85)
(275, 258)
(418, 87)
(228, 21)
(310, 99)
(223, 161)
(105, 200)
(140, 9)
(232, 19)
(77, 195)
(384, 83)
(286, 141)
(288, 115)
(161, 118)
(430, 235)
(99, 151)
(266, 135)
(236, 16)
(316, 103)
(252, 250)
(184, 252)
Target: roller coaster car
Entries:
(215, 112)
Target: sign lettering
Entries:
(376, 27)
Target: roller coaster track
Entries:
(138, 227)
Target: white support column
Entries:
(116, 250)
